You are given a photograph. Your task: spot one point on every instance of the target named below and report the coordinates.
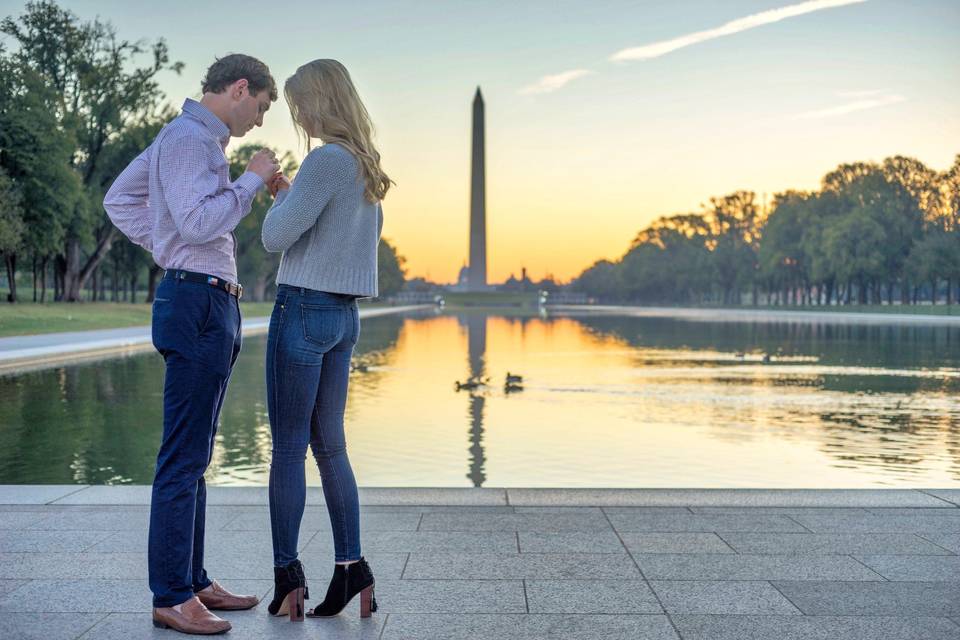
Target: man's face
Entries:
(247, 109)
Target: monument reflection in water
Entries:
(476, 349)
(607, 402)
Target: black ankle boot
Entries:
(289, 581)
(348, 580)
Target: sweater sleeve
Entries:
(322, 175)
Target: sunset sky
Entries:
(601, 116)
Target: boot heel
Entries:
(366, 598)
(295, 605)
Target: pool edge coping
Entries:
(33, 358)
(139, 495)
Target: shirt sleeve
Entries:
(127, 205)
(201, 208)
(321, 176)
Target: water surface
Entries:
(607, 401)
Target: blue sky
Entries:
(574, 173)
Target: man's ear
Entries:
(239, 87)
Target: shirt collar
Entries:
(210, 121)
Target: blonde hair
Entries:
(324, 104)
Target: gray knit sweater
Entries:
(325, 227)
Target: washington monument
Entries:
(477, 273)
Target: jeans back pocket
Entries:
(323, 325)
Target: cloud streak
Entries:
(862, 94)
(548, 84)
(850, 107)
(663, 47)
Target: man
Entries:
(177, 201)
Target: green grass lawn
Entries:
(27, 318)
(917, 310)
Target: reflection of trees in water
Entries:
(891, 438)
(376, 349)
(243, 442)
(883, 431)
(102, 422)
(89, 423)
(896, 346)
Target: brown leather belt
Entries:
(203, 278)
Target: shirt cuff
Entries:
(250, 181)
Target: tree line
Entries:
(874, 233)
(77, 104)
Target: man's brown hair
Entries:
(236, 66)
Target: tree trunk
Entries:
(152, 277)
(34, 278)
(133, 287)
(260, 288)
(56, 279)
(11, 261)
(43, 279)
(75, 274)
(94, 284)
(933, 291)
(949, 291)
(115, 282)
(890, 293)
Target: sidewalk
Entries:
(785, 315)
(19, 353)
(711, 564)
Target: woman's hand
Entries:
(277, 183)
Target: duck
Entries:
(471, 383)
(513, 378)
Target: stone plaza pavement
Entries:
(695, 564)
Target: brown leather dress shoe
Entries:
(193, 617)
(216, 597)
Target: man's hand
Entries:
(264, 164)
(278, 182)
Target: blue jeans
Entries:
(196, 328)
(311, 338)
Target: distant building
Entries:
(463, 280)
(523, 284)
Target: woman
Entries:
(327, 224)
